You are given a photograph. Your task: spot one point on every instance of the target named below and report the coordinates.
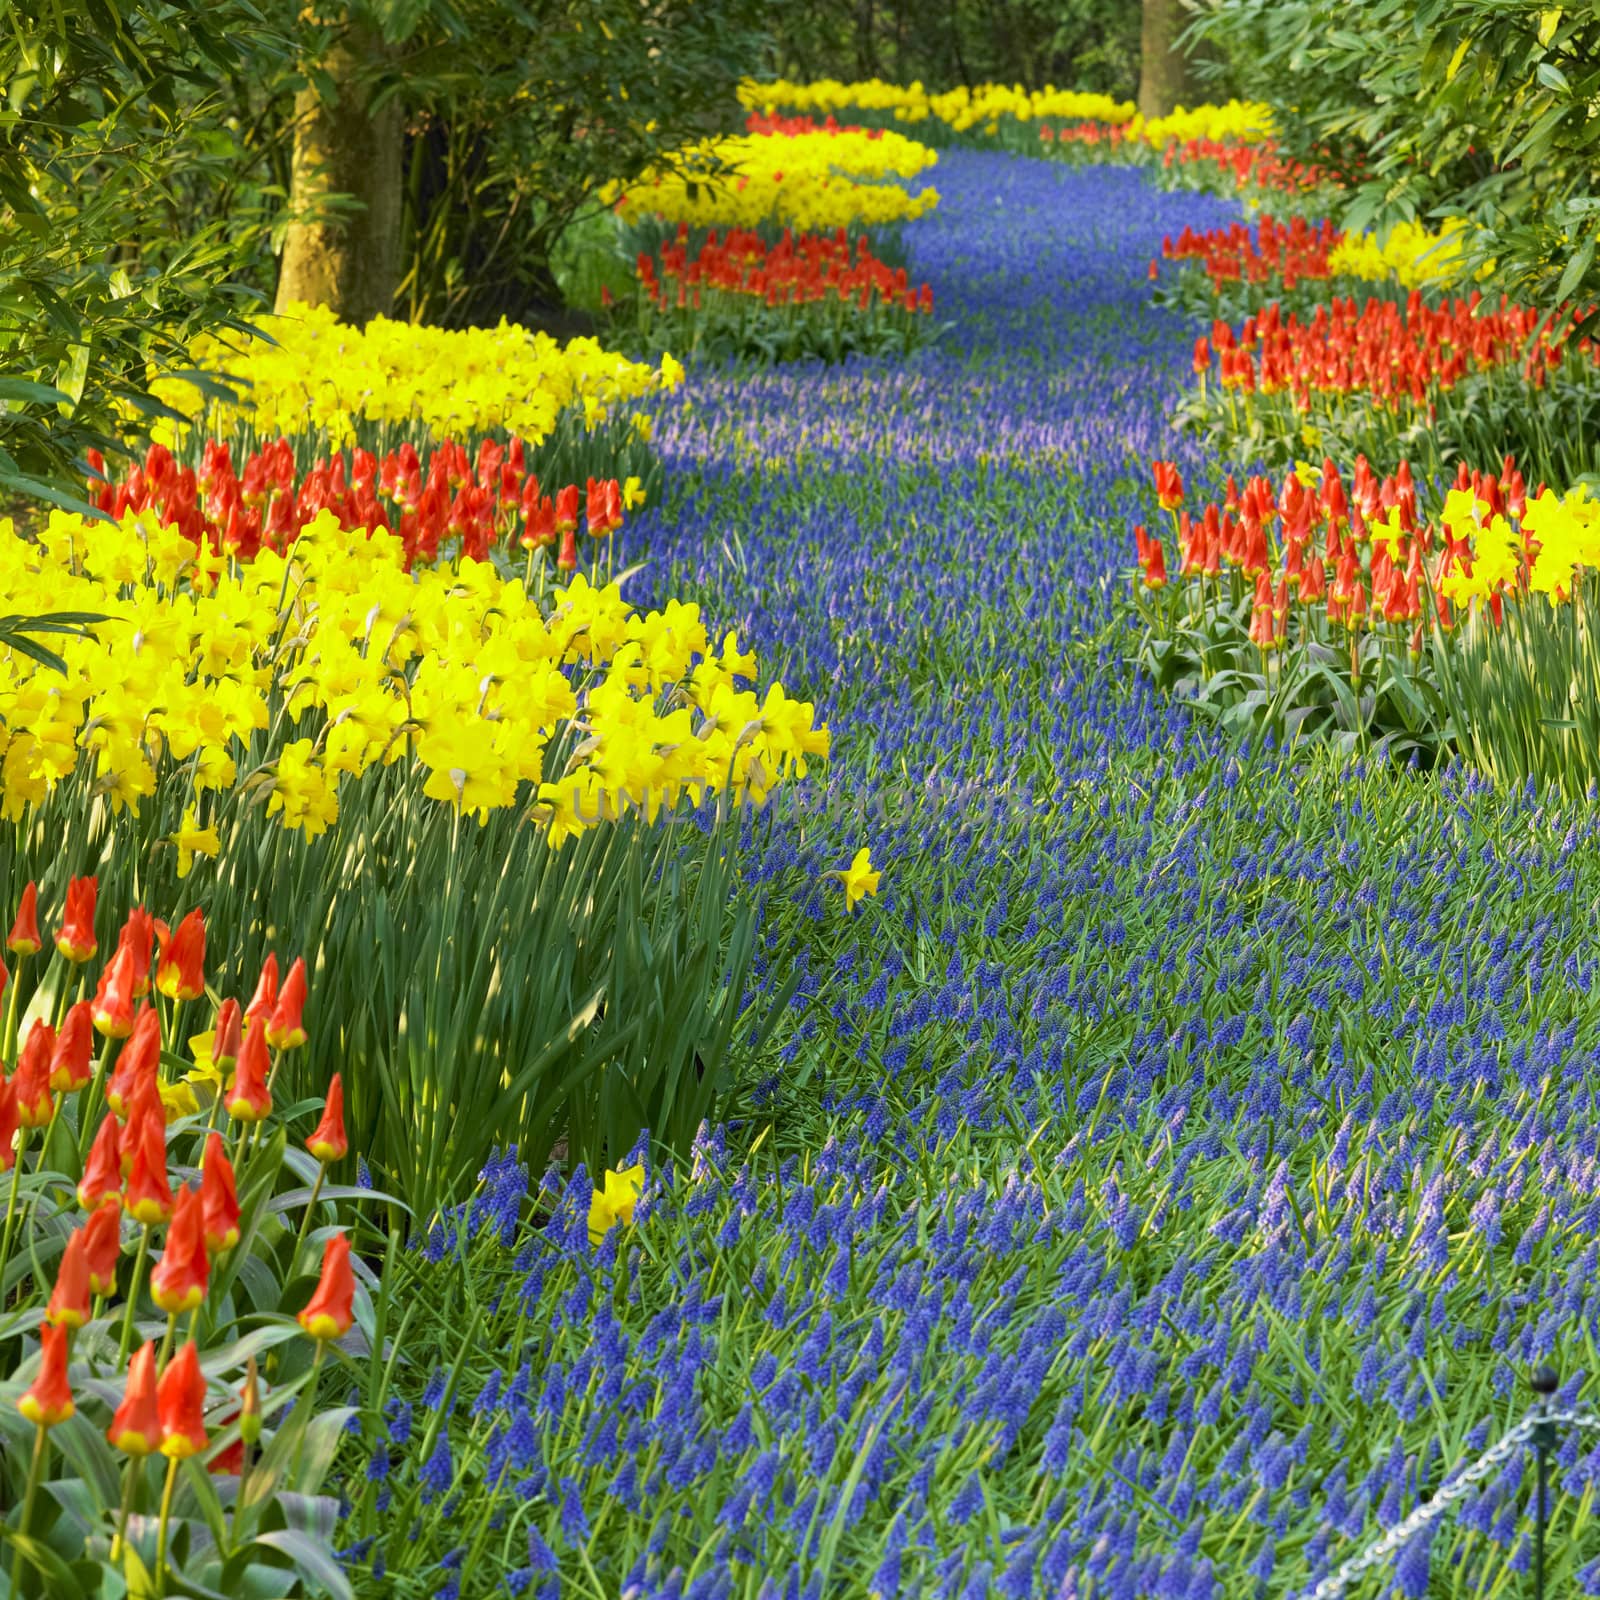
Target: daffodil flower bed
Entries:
(961, 108)
(815, 181)
(311, 375)
(225, 686)
(991, 112)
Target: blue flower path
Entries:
(1164, 1177)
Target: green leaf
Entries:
(313, 1560)
(24, 391)
(1576, 269)
(61, 1583)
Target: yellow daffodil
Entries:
(448, 381)
(192, 840)
(204, 1068)
(808, 181)
(177, 1100)
(615, 1202)
(860, 878)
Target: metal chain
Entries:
(1456, 1489)
(1586, 1418)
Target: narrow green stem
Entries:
(241, 1496)
(133, 1297)
(9, 1053)
(166, 1340)
(130, 1481)
(161, 1533)
(11, 1204)
(35, 1472)
(91, 1097)
(311, 1206)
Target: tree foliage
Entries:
(1077, 44)
(115, 142)
(1477, 109)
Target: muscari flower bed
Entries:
(1162, 1181)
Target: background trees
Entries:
(466, 135)
(1082, 44)
(173, 165)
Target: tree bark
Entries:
(1166, 78)
(345, 253)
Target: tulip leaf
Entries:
(292, 1198)
(312, 1560)
(61, 1582)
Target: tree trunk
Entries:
(1165, 76)
(866, 43)
(343, 247)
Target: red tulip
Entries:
(139, 1060)
(71, 1061)
(248, 1099)
(69, 1299)
(24, 939)
(102, 1243)
(330, 1311)
(148, 1196)
(48, 1399)
(1155, 571)
(328, 1141)
(567, 508)
(219, 1200)
(540, 515)
(227, 1036)
(181, 1405)
(113, 999)
(284, 1029)
(263, 1001)
(76, 940)
(180, 1278)
(102, 1172)
(138, 939)
(180, 974)
(136, 1427)
(35, 1104)
(8, 1123)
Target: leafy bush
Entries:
(112, 112)
(1472, 109)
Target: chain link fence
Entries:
(1539, 1429)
